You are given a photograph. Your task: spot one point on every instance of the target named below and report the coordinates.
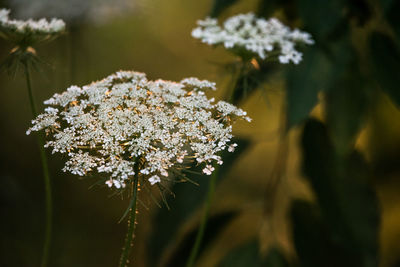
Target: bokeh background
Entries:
(252, 214)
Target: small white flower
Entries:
(109, 183)
(208, 169)
(29, 32)
(154, 179)
(105, 126)
(246, 32)
(232, 147)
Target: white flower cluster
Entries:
(247, 33)
(106, 126)
(32, 30)
(74, 11)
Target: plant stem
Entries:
(212, 182)
(46, 175)
(124, 260)
(203, 224)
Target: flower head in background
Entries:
(29, 32)
(249, 36)
(73, 11)
(105, 127)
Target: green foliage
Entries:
(303, 85)
(313, 243)
(215, 225)
(321, 18)
(392, 15)
(385, 57)
(275, 258)
(323, 66)
(346, 106)
(245, 255)
(220, 6)
(249, 254)
(347, 202)
(360, 10)
(386, 4)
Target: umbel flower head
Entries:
(105, 127)
(74, 11)
(30, 32)
(249, 36)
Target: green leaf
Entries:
(348, 204)
(387, 4)
(321, 18)
(320, 68)
(359, 10)
(248, 254)
(188, 198)
(346, 105)
(312, 239)
(391, 8)
(385, 63)
(219, 6)
(245, 255)
(215, 225)
(303, 82)
(275, 258)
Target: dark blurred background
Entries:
(246, 218)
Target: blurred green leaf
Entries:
(188, 198)
(346, 104)
(219, 6)
(391, 8)
(275, 258)
(245, 255)
(215, 225)
(385, 61)
(303, 83)
(360, 10)
(312, 240)
(320, 18)
(321, 67)
(387, 4)
(249, 255)
(348, 204)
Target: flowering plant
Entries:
(249, 36)
(30, 32)
(105, 127)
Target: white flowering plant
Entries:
(24, 35)
(111, 125)
(74, 12)
(131, 130)
(249, 36)
(29, 32)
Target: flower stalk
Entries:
(200, 233)
(124, 260)
(46, 174)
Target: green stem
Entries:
(203, 224)
(124, 260)
(212, 183)
(237, 75)
(30, 92)
(46, 175)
